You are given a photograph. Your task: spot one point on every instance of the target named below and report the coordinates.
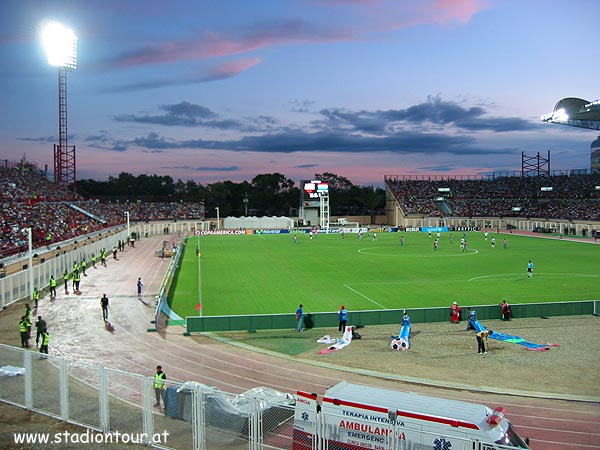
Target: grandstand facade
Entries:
(566, 199)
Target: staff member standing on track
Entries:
(343, 318)
(159, 386)
(104, 306)
(299, 314)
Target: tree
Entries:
(337, 183)
(372, 199)
(271, 193)
(341, 193)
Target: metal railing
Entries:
(191, 416)
(17, 286)
(117, 406)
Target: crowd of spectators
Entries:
(54, 214)
(572, 197)
(30, 200)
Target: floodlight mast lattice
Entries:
(61, 48)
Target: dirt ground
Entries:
(439, 353)
(444, 353)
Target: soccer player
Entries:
(529, 269)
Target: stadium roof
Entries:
(575, 112)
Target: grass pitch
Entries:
(265, 274)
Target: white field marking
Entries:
(364, 296)
(436, 255)
(566, 444)
(546, 275)
(587, 433)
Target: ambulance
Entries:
(353, 417)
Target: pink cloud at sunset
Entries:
(212, 91)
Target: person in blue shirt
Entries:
(299, 318)
(406, 322)
(405, 319)
(529, 269)
(343, 318)
(471, 319)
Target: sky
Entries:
(211, 91)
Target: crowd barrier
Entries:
(116, 404)
(196, 324)
(17, 286)
(118, 407)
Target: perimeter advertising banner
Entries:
(219, 232)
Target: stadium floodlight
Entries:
(60, 44)
(560, 115)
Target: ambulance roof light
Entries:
(496, 416)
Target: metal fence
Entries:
(55, 259)
(18, 286)
(191, 416)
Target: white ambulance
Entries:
(353, 417)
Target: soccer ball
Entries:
(399, 345)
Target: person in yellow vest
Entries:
(66, 279)
(83, 266)
(35, 297)
(52, 287)
(159, 386)
(28, 318)
(93, 261)
(45, 341)
(23, 325)
(76, 281)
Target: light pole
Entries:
(217, 208)
(128, 233)
(60, 43)
(30, 257)
(246, 204)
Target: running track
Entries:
(550, 424)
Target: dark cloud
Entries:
(185, 114)
(434, 111)
(205, 168)
(302, 106)
(306, 166)
(299, 141)
(39, 139)
(432, 127)
(153, 141)
(439, 168)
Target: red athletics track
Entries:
(551, 424)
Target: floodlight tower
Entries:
(61, 48)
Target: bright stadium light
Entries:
(561, 115)
(60, 44)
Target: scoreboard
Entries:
(315, 188)
(312, 191)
